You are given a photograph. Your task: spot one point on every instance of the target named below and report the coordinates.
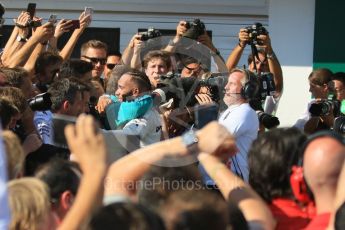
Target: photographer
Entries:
(320, 87)
(264, 61)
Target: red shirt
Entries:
(319, 222)
(289, 214)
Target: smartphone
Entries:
(59, 123)
(75, 25)
(31, 10)
(88, 11)
(52, 18)
(204, 114)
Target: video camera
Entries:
(254, 31)
(183, 90)
(267, 86)
(149, 34)
(325, 107)
(194, 29)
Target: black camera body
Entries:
(254, 31)
(339, 125)
(40, 102)
(149, 34)
(267, 120)
(325, 107)
(34, 24)
(194, 29)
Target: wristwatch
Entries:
(21, 39)
(172, 43)
(271, 56)
(190, 140)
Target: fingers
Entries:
(103, 102)
(203, 99)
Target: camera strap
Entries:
(255, 55)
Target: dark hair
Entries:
(153, 198)
(339, 223)
(63, 90)
(75, 68)
(46, 59)
(164, 56)
(60, 176)
(125, 216)
(15, 96)
(14, 76)
(141, 80)
(270, 161)
(321, 76)
(7, 111)
(115, 53)
(251, 59)
(339, 76)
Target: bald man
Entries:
(323, 160)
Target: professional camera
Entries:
(254, 31)
(40, 102)
(267, 120)
(149, 34)
(34, 24)
(267, 86)
(325, 107)
(194, 29)
(339, 124)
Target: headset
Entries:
(251, 87)
(299, 187)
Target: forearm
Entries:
(68, 48)
(235, 190)
(30, 64)
(136, 62)
(127, 55)
(20, 57)
(234, 57)
(276, 70)
(9, 44)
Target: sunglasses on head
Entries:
(111, 65)
(102, 61)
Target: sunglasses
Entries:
(94, 61)
(111, 65)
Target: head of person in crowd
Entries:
(113, 59)
(270, 161)
(164, 174)
(86, 89)
(14, 154)
(156, 63)
(338, 80)
(18, 77)
(191, 67)
(324, 156)
(77, 68)
(240, 87)
(114, 77)
(195, 209)
(9, 113)
(16, 98)
(319, 83)
(62, 178)
(29, 203)
(132, 85)
(66, 97)
(95, 51)
(126, 216)
(47, 68)
(261, 63)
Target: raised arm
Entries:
(127, 54)
(89, 148)
(41, 35)
(129, 169)
(68, 48)
(236, 190)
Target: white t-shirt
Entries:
(241, 121)
(302, 120)
(148, 127)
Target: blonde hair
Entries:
(14, 154)
(29, 203)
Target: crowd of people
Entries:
(165, 135)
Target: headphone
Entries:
(250, 87)
(299, 187)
